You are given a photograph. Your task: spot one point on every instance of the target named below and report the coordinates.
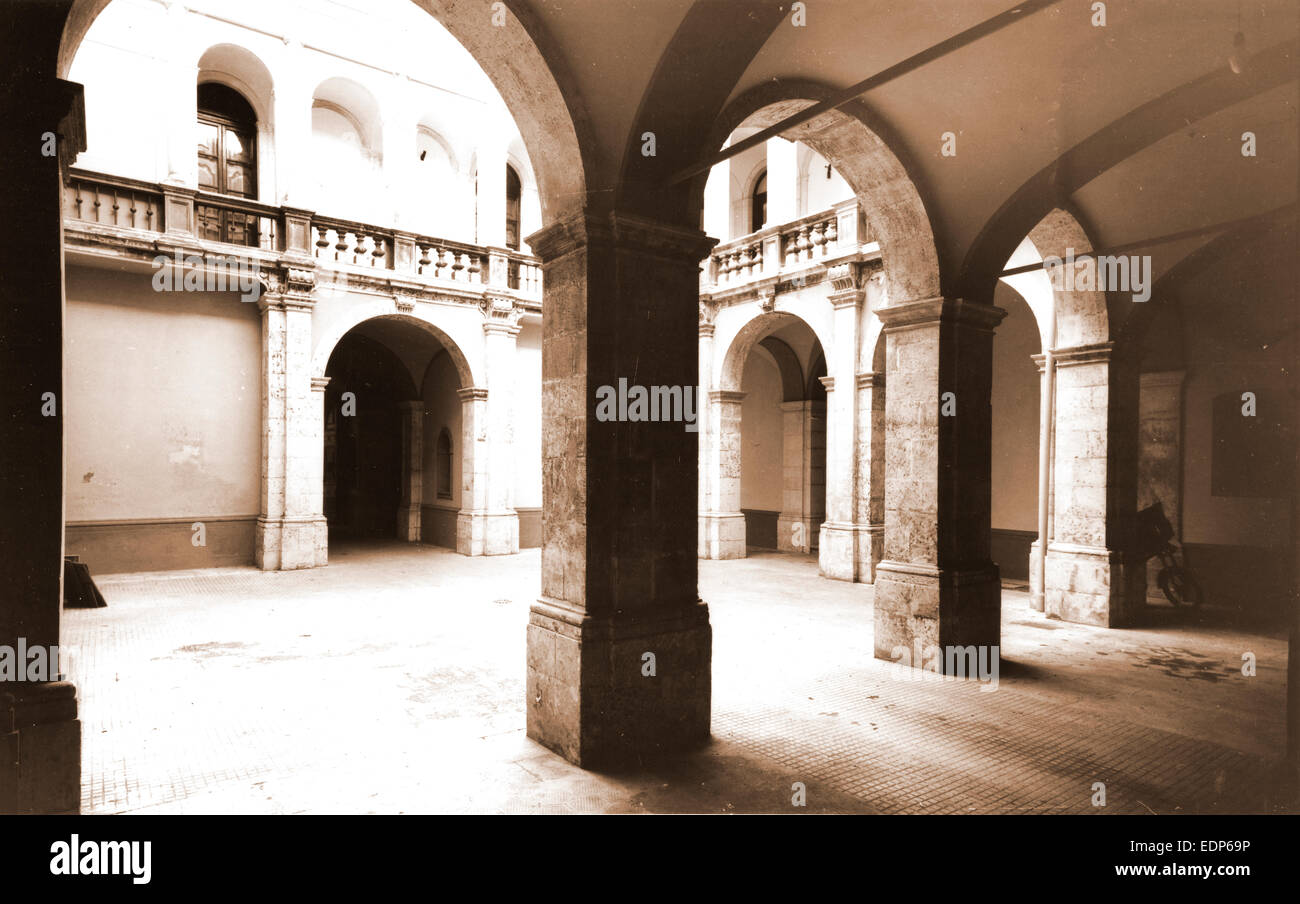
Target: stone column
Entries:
(845, 549)
(470, 531)
(1046, 439)
(1160, 453)
(794, 526)
(491, 524)
(724, 523)
(40, 734)
(937, 586)
(408, 510)
(869, 504)
(619, 644)
(703, 417)
(291, 530)
(1088, 580)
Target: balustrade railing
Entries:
(102, 200)
(785, 246)
(113, 202)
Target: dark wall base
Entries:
(161, 545)
(438, 526)
(1011, 552)
(530, 528)
(760, 528)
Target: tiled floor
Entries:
(392, 681)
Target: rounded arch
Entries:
(787, 363)
(524, 65)
(424, 130)
(325, 345)
(1082, 317)
(355, 103)
(239, 69)
(752, 333)
(862, 151)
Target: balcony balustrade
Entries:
(118, 212)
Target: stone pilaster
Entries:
(1087, 577)
(795, 525)
(723, 525)
(869, 504)
(936, 586)
(708, 312)
(844, 549)
(490, 525)
(408, 508)
(291, 530)
(619, 645)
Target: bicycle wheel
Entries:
(1173, 584)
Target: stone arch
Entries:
(523, 64)
(862, 150)
(358, 105)
(379, 310)
(1082, 317)
(787, 363)
(751, 334)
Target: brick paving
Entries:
(392, 681)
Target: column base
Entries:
(929, 609)
(487, 533)
(850, 552)
(40, 749)
(1035, 582)
(286, 544)
(1092, 585)
(722, 535)
(589, 697)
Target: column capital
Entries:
(926, 311)
(622, 230)
(828, 382)
(472, 394)
(872, 380)
(500, 314)
(847, 286)
(726, 395)
(1097, 353)
(318, 384)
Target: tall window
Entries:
(758, 204)
(227, 131)
(444, 464)
(513, 194)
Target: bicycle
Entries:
(1156, 539)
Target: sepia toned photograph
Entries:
(860, 407)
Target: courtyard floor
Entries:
(393, 681)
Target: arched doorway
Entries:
(397, 465)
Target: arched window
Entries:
(443, 473)
(513, 193)
(227, 147)
(758, 204)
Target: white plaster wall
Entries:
(162, 400)
(1016, 391)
